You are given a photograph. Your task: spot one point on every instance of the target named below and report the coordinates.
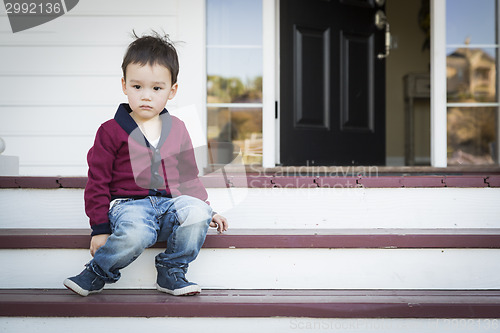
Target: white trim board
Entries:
(438, 84)
(269, 81)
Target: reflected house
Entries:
(470, 75)
(471, 78)
(234, 130)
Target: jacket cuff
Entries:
(99, 229)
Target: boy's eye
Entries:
(157, 88)
(136, 86)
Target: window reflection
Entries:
(471, 75)
(234, 75)
(235, 130)
(472, 135)
(470, 19)
(472, 55)
(234, 80)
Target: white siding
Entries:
(61, 80)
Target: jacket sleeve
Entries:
(97, 196)
(189, 182)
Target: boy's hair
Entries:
(151, 50)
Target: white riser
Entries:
(277, 269)
(287, 208)
(244, 325)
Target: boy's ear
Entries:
(173, 91)
(124, 85)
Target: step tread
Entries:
(488, 177)
(278, 238)
(255, 303)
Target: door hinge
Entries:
(276, 110)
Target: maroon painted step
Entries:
(281, 238)
(255, 303)
(265, 180)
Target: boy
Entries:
(143, 183)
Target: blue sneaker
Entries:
(85, 283)
(173, 281)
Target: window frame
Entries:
(270, 71)
(439, 103)
(268, 85)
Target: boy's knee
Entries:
(194, 211)
(196, 215)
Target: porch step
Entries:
(255, 303)
(372, 259)
(277, 259)
(287, 208)
(277, 238)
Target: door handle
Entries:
(381, 23)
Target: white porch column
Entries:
(269, 46)
(438, 84)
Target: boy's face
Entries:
(148, 89)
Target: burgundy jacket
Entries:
(123, 164)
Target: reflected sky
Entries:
(234, 38)
(234, 22)
(474, 19)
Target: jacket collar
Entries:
(123, 118)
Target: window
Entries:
(471, 73)
(234, 80)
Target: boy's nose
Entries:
(146, 96)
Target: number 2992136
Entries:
(31, 8)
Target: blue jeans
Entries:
(138, 224)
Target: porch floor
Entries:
(255, 303)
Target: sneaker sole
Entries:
(186, 291)
(79, 290)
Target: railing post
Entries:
(9, 165)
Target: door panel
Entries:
(332, 86)
(312, 82)
(357, 111)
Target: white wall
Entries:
(61, 80)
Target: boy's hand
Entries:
(96, 242)
(219, 222)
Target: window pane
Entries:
(471, 74)
(231, 130)
(234, 22)
(234, 75)
(471, 20)
(472, 136)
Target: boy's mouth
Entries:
(145, 107)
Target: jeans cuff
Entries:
(99, 272)
(160, 264)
